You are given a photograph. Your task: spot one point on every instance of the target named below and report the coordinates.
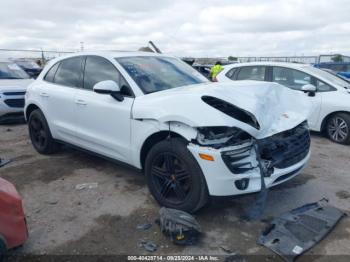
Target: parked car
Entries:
(29, 66)
(192, 138)
(335, 74)
(203, 69)
(13, 85)
(329, 95)
(342, 68)
(13, 226)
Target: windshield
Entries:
(12, 71)
(28, 64)
(153, 74)
(329, 77)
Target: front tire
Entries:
(40, 134)
(174, 177)
(338, 128)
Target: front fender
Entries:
(142, 129)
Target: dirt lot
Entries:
(103, 220)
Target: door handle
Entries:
(43, 94)
(80, 102)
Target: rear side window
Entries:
(69, 72)
(99, 69)
(230, 74)
(291, 78)
(256, 73)
(51, 73)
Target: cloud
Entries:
(183, 28)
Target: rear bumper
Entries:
(222, 182)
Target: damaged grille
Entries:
(287, 148)
(238, 161)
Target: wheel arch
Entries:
(327, 117)
(29, 109)
(154, 139)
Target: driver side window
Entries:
(99, 69)
(291, 78)
(323, 87)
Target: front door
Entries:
(103, 123)
(295, 79)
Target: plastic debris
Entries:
(181, 227)
(148, 245)
(297, 231)
(4, 162)
(86, 186)
(144, 226)
(256, 211)
(226, 249)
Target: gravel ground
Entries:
(103, 220)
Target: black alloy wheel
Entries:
(40, 134)
(171, 178)
(174, 176)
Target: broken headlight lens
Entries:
(219, 136)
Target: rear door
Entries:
(57, 97)
(103, 123)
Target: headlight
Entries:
(220, 136)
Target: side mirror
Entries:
(310, 89)
(108, 87)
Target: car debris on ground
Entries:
(181, 227)
(148, 245)
(144, 226)
(4, 161)
(297, 231)
(86, 186)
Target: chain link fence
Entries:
(39, 56)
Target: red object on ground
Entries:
(13, 226)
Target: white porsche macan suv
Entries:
(328, 95)
(192, 138)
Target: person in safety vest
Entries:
(215, 70)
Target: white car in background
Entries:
(13, 85)
(329, 95)
(192, 138)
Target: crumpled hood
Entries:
(10, 85)
(275, 107)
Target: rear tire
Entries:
(174, 177)
(40, 134)
(338, 128)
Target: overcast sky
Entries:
(180, 27)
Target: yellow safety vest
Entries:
(215, 70)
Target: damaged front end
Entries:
(282, 155)
(236, 146)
